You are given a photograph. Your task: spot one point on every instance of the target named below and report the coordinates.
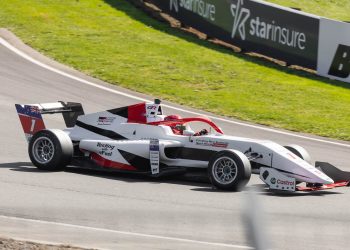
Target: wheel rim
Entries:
(43, 150)
(224, 170)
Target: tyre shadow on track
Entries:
(261, 189)
(301, 193)
(193, 180)
(15, 165)
(20, 166)
(200, 182)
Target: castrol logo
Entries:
(288, 183)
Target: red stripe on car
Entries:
(98, 159)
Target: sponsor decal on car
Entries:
(277, 180)
(105, 145)
(211, 143)
(285, 182)
(103, 120)
(105, 149)
(291, 156)
(152, 107)
(35, 109)
(273, 180)
(154, 155)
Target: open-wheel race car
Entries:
(140, 139)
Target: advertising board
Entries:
(334, 50)
(278, 32)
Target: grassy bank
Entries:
(118, 43)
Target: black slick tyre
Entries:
(50, 149)
(229, 170)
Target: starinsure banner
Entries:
(334, 50)
(282, 33)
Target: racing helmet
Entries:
(172, 118)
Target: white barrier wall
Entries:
(334, 50)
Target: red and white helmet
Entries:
(172, 118)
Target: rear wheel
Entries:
(50, 149)
(229, 170)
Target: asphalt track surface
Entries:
(114, 211)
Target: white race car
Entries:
(141, 139)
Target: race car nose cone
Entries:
(329, 181)
(326, 180)
(320, 177)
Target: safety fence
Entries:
(286, 34)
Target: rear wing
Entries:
(31, 119)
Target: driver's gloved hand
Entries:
(202, 132)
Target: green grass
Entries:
(335, 9)
(119, 44)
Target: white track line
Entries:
(27, 57)
(215, 244)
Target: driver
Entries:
(179, 129)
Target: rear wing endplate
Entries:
(30, 115)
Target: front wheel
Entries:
(229, 170)
(50, 149)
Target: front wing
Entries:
(279, 181)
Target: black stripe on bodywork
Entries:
(142, 164)
(189, 153)
(104, 132)
(123, 112)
